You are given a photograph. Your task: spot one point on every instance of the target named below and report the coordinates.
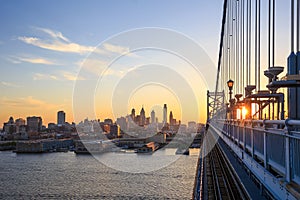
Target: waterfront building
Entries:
(192, 126)
(105, 127)
(123, 123)
(115, 130)
(152, 117)
(34, 124)
(61, 118)
(137, 120)
(45, 145)
(147, 121)
(108, 121)
(19, 122)
(51, 126)
(10, 126)
(182, 128)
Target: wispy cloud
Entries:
(59, 76)
(33, 60)
(112, 48)
(10, 84)
(13, 60)
(56, 45)
(112, 72)
(56, 41)
(37, 61)
(70, 76)
(54, 34)
(94, 66)
(115, 48)
(39, 76)
(27, 102)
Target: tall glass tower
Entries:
(165, 114)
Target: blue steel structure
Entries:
(266, 137)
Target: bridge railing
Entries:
(275, 144)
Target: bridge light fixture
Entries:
(244, 112)
(230, 84)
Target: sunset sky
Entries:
(44, 44)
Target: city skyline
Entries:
(61, 117)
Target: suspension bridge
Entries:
(251, 147)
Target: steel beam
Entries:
(298, 88)
(292, 92)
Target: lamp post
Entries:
(230, 86)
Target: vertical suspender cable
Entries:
(250, 36)
(233, 40)
(273, 37)
(269, 36)
(256, 50)
(292, 25)
(243, 45)
(269, 51)
(247, 43)
(225, 56)
(258, 57)
(223, 70)
(237, 47)
(298, 26)
(228, 41)
(231, 47)
(256, 75)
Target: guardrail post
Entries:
(265, 147)
(238, 131)
(252, 140)
(244, 135)
(287, 153)
(232, 130)
(287, 159)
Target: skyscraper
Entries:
(133, 114)
(165, 114)
(61, 117)
(142, 117)
(171, 120)
(152, 117)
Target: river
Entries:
(71, 176)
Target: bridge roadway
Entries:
(260, 157)
(220, 174)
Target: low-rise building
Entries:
(46, 145)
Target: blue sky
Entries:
(37, 80)
(42, 43)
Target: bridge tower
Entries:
(215, 104)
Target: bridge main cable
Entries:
(221, 48)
